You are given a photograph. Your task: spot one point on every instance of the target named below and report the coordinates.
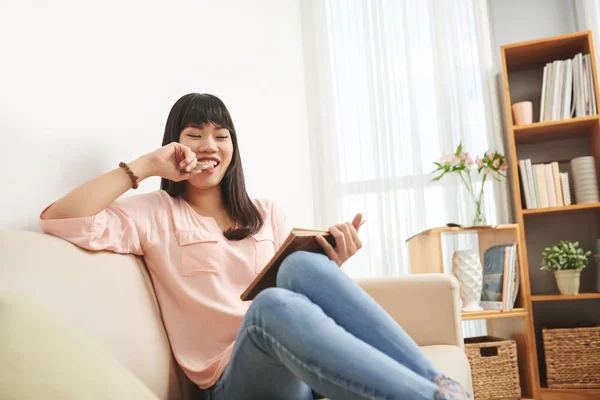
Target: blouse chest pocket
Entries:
(264, 246)
(201, 253)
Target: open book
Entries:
(297, 240)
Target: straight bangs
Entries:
(205, 110)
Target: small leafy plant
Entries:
(563, 256)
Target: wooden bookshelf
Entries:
(569, 394)
(493, 314)
(564, 209)
(556, 130)
(562, 297)
(544, 142)
(426, 251)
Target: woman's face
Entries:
(213, 146)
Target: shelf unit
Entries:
(522, 72)
(426, 252)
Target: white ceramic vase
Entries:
(585, 181)
(466, 267)
(568, 281)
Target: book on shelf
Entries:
(500, 277)
(564, 184)
(550, 185)
(568, 89)
(540, 173)
(543, 185)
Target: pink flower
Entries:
(455, 160)
(469, 162)
(504, 166)
(496, 163)
(446, 158)
(491, 155)
(464, 156)
(479, 162)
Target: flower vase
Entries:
(479, 216)
(466, 267)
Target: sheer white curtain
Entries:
(391, 86)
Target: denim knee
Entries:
(270, 303)
(299, 266)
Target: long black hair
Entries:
(199, 110)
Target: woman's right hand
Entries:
(173, 161)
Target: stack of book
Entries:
(543, 185)
(568, 89)
(500, 278)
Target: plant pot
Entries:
(568, 281)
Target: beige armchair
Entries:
(110, 297)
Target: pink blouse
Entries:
(198, 274)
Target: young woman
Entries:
(204, 240)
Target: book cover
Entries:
(494, 264)
(511, 280)
(549, 92)
(592, 91)
(550, 185)
(568, 89)
(297, 240)
(532, 184)
(515, 280)
(586, 88)
(557, 187)
(543, 99)
(540, 175)
(556, 96)
(525, 184)
(564, 184)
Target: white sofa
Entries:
(110, 297)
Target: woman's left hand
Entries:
(347, 242)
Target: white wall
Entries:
(520, 20)
(84, 85)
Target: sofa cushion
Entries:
(44, 356)
(452, 361)
(109, 296)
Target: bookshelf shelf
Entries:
(556, 130)
(426, 253)
(564, 209)
(523, 66)
(561, 297)
(494, 314)
(536, 53)
(569, 394)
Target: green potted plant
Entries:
(566, 260)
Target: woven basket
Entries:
(572, 357)
(494, 367)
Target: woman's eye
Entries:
(222, 137)
(195, 136)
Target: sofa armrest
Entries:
(427, 306)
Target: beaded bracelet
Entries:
(134, 179)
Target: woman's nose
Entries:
(209, 146)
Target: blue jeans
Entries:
(319, 332)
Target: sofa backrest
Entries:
(110, 296)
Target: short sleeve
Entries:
(280, 224)
(114, 229)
